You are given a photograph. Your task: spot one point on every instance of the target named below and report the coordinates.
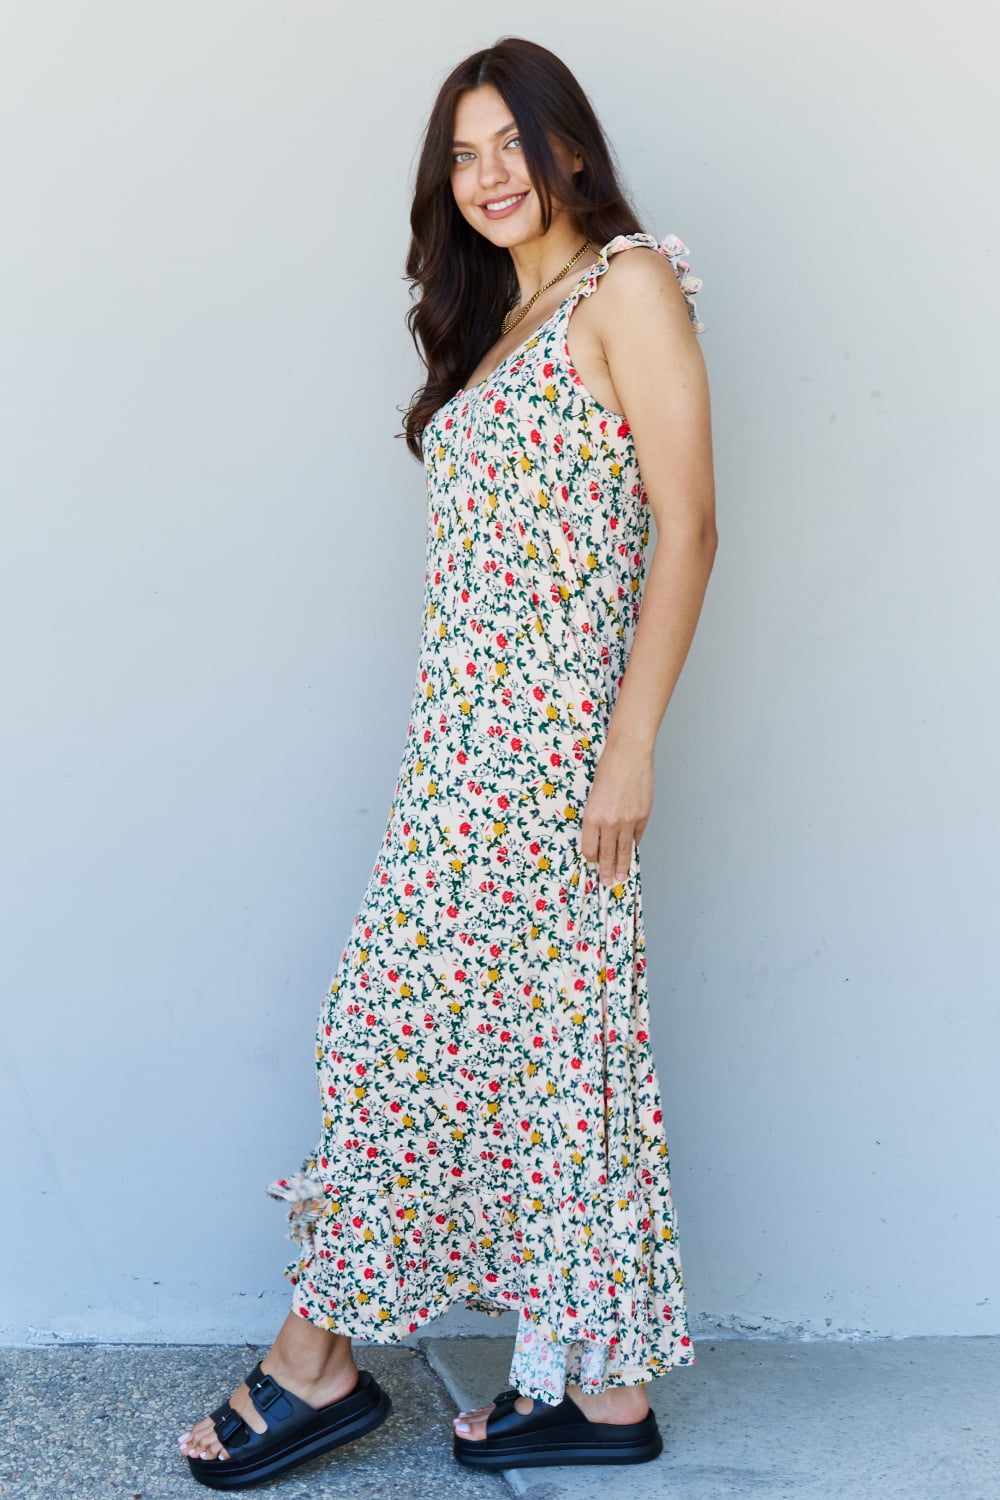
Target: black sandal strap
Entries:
(230, 1428)
(274, 1403)
(505, 1420)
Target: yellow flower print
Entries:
(535, 568)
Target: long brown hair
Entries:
(467, 284)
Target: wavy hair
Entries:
(467, 284)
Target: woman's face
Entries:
(488, 169)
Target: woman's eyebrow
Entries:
(510, 125)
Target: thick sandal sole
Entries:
(537, 1450)
(229, 1474)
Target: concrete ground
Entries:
(767, 1419)
(92, 1422)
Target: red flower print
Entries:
(536, 545)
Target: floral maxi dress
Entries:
(492, 1125)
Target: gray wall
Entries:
(212, 575)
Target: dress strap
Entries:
(670, 246)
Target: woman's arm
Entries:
(657, 368)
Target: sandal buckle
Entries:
(266, 1392)
(227, 1428)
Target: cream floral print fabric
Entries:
(492, 1128)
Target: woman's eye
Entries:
(515, 140)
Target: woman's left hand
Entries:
(617, 810)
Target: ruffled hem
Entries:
(372, 1266)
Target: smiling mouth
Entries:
(503, 202)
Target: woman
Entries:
(492, 1128)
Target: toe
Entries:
(472, 1424)
(201, 1441)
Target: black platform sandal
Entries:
(556, 1435)
(295, 1431)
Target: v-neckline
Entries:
(468, 390)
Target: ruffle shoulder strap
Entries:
(670, 246)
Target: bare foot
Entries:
(619, 1403)
(313, 1364)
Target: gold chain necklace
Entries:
(508, 326)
